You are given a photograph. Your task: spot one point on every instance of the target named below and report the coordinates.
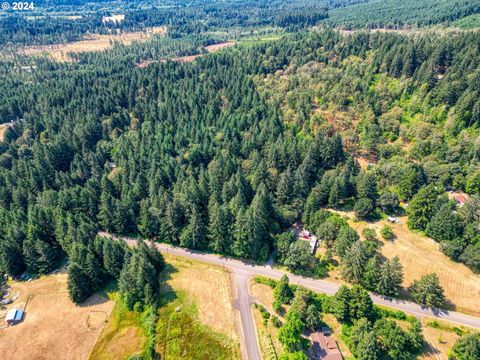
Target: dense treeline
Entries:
(411, 104)
(396, 14)
(182, 18)
(195, 155)
(208, 180)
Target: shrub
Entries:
(387, 233)
(276, 321)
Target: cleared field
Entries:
(270, 346)
(267, 333)
(122, 336)
(197, 319)
(263, 293)
(53, 326)
(189, 58)
(420, 255)
(440, 336)
(219, 46)
(209, 287)
(61, 52)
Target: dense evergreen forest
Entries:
(397, 14)
(71, 20)
(51, 26)
(215, 155)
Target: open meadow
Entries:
(93, 42)
(195, 304)
(53, 326)
(419, 256)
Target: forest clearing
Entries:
(93, 42)
(198, 279)
(53, 325)
(189, 309)
(421, 255)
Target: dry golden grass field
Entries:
(61, 52)
(420, 255)
(53, 327)
(200, 290)
(209, 287)
(439, 339)
(267, 333)
(122, 337)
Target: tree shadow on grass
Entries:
(167, 293)
(101, 296)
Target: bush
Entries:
(264, 312)
(388, 313)
(277, 306)
(265, 281)
(276, 321)
(387, 233)
(389, 202)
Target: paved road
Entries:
(321, 286)
(244, 305)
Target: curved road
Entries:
(244, 271)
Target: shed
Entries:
(14, 316)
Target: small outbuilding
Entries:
(14, 316)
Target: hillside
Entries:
(406, 13)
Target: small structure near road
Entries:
(311, 238)
(14, 316)
(324, 345)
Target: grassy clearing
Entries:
(194, 321)
(270, 347)
(3, 129)
(419, 256)
(122, 336)
(53, 326)
(208, 287)
(440, 336)
(95, 42)
(180, 334)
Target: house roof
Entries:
(460, 198)
(325, 346)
